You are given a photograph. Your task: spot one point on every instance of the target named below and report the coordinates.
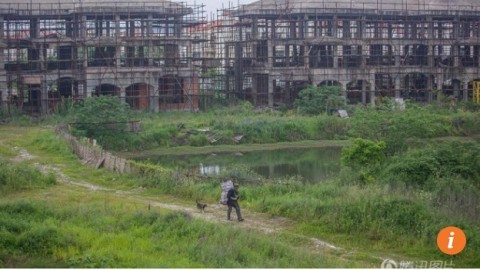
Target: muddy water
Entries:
(309, 165)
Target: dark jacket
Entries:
(232, 197)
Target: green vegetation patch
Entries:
(18, 177)
(91, 235)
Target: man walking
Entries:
(232, 202)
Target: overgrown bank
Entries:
(242, 125)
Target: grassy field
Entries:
(48, 224)
(393, 206)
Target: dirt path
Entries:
(213, 213)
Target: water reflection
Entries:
(311, 165)
(209, 169)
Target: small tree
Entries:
(103, 115)
(363, 153)
(364, 156)
(315, 100)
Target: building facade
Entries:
(422, 50)
(69, 50)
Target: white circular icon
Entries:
(389, 264)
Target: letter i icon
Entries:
(451, 240)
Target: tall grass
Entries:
(18, 177)
(36, 235)
(220, 127)
(396, 127)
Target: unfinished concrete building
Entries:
(53, 51)
(421, 50)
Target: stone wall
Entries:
(94, 156)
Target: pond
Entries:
(308, 164)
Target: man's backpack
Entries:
(226, 186)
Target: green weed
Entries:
(18, 177)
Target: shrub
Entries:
(316, 100)
(396, 127)
(446, 159)
(362, 153)
(198, 140)
(413, 168)
(40, 240)
(102, 116)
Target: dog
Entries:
(201, 206)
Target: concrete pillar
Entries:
(4, 93)
(335, 58)
(414, 32)
(68, 27)
(255, 28)
(440, 78)
(288, 93)
(287, 55)
(456, 58)
(306, 63)
(42, 56)
(476, 53)
(334, 26)
(83, 27)
(98, 28)
(85, 57)
(429, 28)
(131, 28)
(265, 30)
(431, 63)
(270, 53)
(272, 32)
(398, 85)
(2, 57)
(372, 88)
(429, 88)
(364, 92)
(43, 98)
(109, 28)
(270, 91)
(344, 89)
(254, 88)
(456, 28)
(301, 29)
(154, 99)
(123, 93)
(117, 25)
(376, 31)
(2, 34)
(465, 90)
(346, 29)
(34, 28)
(390, 30)
(456, 89)
(188, 91)
(150, 44)
(118, 53)
(178, 26)
(293, 30)
(362, 29)
(397, 58)
(363, 58)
